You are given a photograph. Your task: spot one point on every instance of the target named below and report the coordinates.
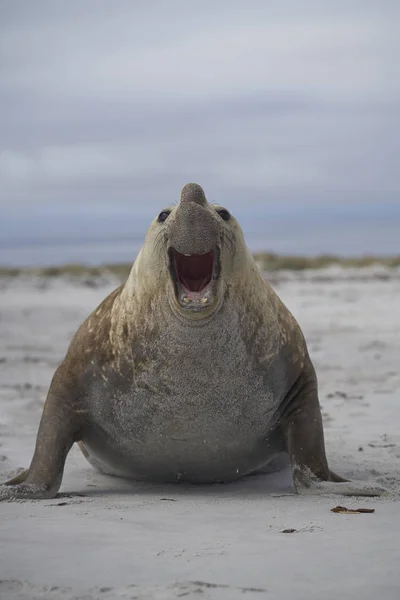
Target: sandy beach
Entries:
(109, 538)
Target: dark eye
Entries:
(163, 216)
(224, 214)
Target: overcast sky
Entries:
(273, 106)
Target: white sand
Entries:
(127, 540)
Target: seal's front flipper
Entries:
(302, 428)
(307, 483)
(17, 488)
(58, 430)
(20, 478)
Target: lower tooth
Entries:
(204, 300)
(186, 299)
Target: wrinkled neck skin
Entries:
(149, 291)
(147, 306)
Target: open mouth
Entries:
(194, 272)
(194, 278)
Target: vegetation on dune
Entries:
(277, 262)
(267, 261)
(72, 270)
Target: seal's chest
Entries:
(192, 387)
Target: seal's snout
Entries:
(192, 192)
(194, 229)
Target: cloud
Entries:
(260, 102)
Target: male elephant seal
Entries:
(193, 370)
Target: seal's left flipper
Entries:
(306, 483)
(302, 428)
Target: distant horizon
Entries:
(100, 239)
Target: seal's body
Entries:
(193, 370)
(195, 410)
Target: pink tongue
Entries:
(194, 285)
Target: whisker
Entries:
(229, 239)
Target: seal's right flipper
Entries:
(59, 429)
(20, 478)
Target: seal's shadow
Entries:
(266, 483)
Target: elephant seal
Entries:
(193, 370)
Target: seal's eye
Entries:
(224, 214)
(163, 216)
